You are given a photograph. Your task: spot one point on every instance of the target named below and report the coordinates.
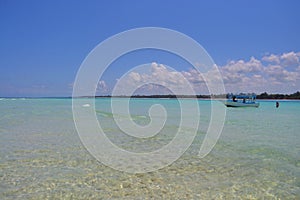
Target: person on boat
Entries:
(277, 104)
(234, 99)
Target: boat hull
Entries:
(240, 104)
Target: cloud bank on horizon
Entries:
(272, 73)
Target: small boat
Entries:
(241, 100)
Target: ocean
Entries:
(42, 156)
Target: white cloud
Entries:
(253, 65)
(159, 80)
(278, 73)
(290, 58)
(135, 76)
(102, 87)
(273, 73)
(271, 58)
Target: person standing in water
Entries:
(277, 104)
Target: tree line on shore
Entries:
(264, 95)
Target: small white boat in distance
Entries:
(241, 100)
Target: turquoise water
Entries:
(42, 157)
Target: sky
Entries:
(255, 44)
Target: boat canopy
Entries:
(242, 96)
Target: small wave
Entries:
(104, 114)
(139, 117)
(86, 105)
(134, 117)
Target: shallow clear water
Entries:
(42, 157)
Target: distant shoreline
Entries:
(266, 96)
(262, 96)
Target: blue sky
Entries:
(43, 43)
